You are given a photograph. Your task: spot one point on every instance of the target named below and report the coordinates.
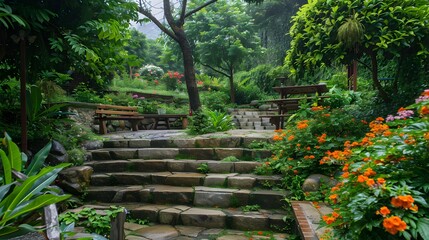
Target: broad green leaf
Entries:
(7, 168)
(30, 187)
(9, 232)
(34, 204)
(38, 160)
(423, 228)
(14, 155)
(4, 189)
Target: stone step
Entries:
(196, 196)
(187, 179)
(175, 221)
(224, 142)
(183, 165)
(178, 153)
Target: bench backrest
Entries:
(105, 109)
(308, 89)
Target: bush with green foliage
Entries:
(172, 80)
(82, 93)
(246, 93)
(261, 77)
(215, 100)
(91, 220)
(151, 72)
(207, 121)
(383, 190)
(312, 133)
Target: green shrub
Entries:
(206, 121)
(244, 94)
(300, 147)
(215, 100)
(172, 80)
(82, 93)
(262, 79)
(151, 72)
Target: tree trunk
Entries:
(231, 85)
(375, 80)
(188, 65)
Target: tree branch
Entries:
(149, 15)
(183, 12)
(168, 15)
(214, 69)
(200, 7)
(364, 64)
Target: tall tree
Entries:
(273, 21)
(176, 30)
(393, 30)
(223, 36)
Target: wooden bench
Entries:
(165, 119)
(105, 112)
(286, 104)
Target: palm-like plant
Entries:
(22, 197)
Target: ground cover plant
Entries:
(384, 190)
(313, 132)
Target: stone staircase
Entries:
(248, 118)
(206, 183)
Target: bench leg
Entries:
(103, 127)
(275, 121)
(184, 123)
(135, 124)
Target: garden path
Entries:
(200, 187)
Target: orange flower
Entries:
(322, 138)
(381, 180)
(384, 211)
(328, 220)
(277, 138)
(345, 175)
(302, 124)
(362, 178)
(394, 224)
(278, 130)
(346, 167)
(333, 198)
(414, 208)
(317, 108)
(335, 214)
(405, 202)
(424, 110)
(295, 172)
(291, 137)
(380, 119)
(370, 182)
(260, 233)
(369, 172)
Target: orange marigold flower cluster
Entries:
(377, 126)
(330, 219)
(369, 172)
(291, 137)
(277, 138)
(309, 157)
(322, 138)
(405, 202)
(302, 124)
(336, 155)
(394, 224)
(317, 108)
(347, 144)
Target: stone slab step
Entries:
(196, 220)
(200, 142)
(187, 179)
(189, 165)
(197, 196)
(178, 153)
